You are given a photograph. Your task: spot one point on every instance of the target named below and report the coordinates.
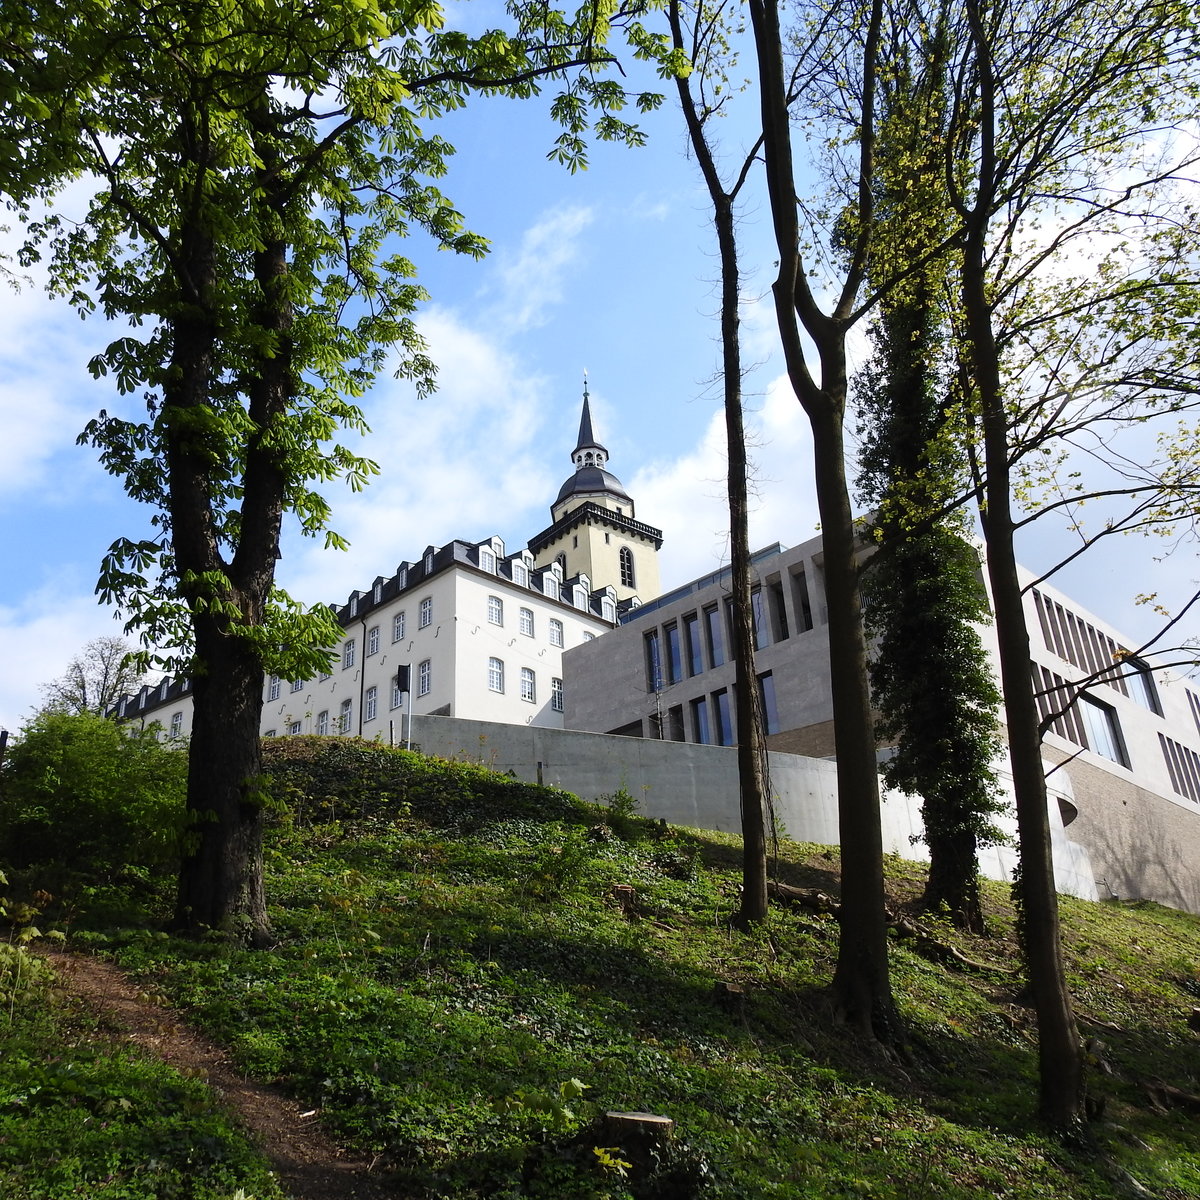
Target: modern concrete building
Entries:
(1122, 753)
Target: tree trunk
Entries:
(753, 773)
(221, 883)
(861, 983)
(1060, 1057)
(953, 879)
(1059, 1052)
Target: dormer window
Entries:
(487, 561)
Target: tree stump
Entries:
(641, 1138)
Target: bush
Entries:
(85, 794)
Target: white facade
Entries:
(482, 635)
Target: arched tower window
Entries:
(562, 562)
(627, 579)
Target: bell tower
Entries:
(595, 531)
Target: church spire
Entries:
(588, 451)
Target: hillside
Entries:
(471, 970)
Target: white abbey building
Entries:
(467, 630)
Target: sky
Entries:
(609, 272)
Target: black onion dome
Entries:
(589, 481)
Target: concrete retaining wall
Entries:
(697, 786)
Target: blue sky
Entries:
(610, 271)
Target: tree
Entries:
(95, 679)
(704, 45)
(255, 164)
(930, 677)
(1050, 109)
(819, 375)
(91, 797)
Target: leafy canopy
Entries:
(218, 134)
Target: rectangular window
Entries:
(373, 640)
(724, 718)
(370, 703)
(520, 575)
(323, 724)
(528, 685)
(495, 610)
(176, 724)
(527, 622)
(1140, 679)
(758, 616)
(398, 627)
(715, 634)
(346, 715)
(674, 654)
(397, 694)
(778, 609)
(654, 676)
(675, 724)
(700, 721)
(691, 644)
(804, 617)
(424, 678)
(556, 632)
(495, 675)
(556, 694)
(1183, 764)
(273, 688)
(1103, 730)
(487, 561)
(348, 654)
(426, 613)
(324, 676)
(770, 711)
(297, 685)
(294, 728)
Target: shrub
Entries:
(85, 794)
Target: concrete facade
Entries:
(697, 786)
(1122, 740)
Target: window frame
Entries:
(495, 675)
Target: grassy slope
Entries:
(452, 956)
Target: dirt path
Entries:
(309, 1165)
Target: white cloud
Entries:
(39, 637)
(530, 279)
(686, 496)
(464, 463)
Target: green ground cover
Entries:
(464, 981)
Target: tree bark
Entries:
(861, 983)
(753, 775)
(1060, 1054)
